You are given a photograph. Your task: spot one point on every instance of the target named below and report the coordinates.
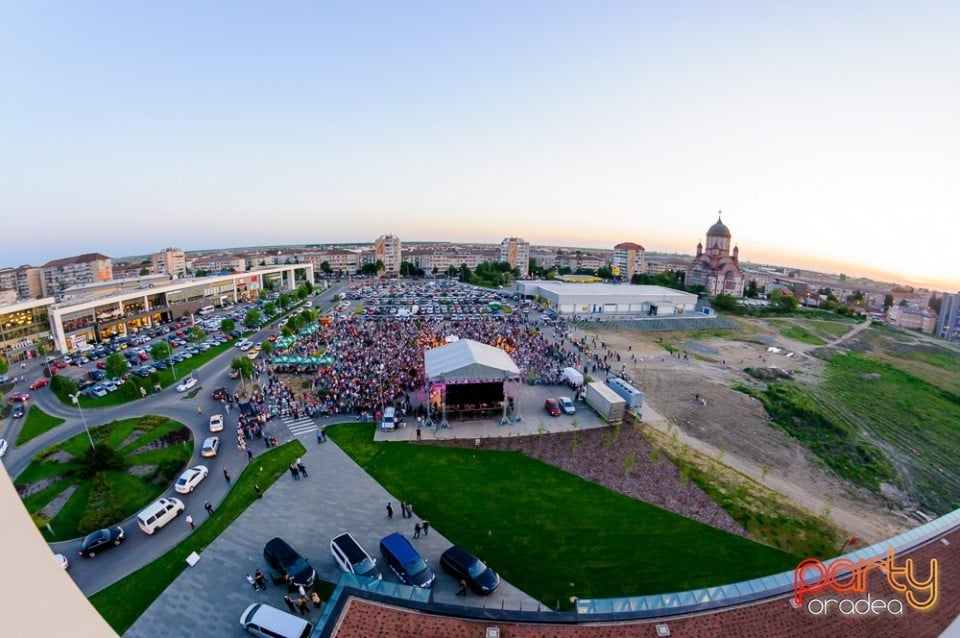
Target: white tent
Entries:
(466, 360)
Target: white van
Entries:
(389, 420)
(159, 513)
(270, 622)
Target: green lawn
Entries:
(552, 534)
(129, 492)
(123, 602)
(36, 423)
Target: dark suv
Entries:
(288, 562)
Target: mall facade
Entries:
(109, 311)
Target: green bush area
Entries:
(838, 444)
(123, 602)
(105, 491)
(553, 534)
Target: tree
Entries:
(605, 272)
(267, 347)
(270, 308)
(144, 271)
(888, 301)
(160, 351)
(724, 302)
(116, 365)
(197, 334)
(294, 322)
(405, 268)
(4, 366)
(752, 292)
(301, 293)
(284, 300)
(904, 303)
(228, 325)
(42, 352)
(935, 303)
(252, 320)
(325, 267)
(242, 365)
(63, 385)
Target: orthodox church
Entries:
(717, 268)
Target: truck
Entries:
(607, 403)
(630, 394)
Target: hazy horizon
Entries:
(826, 133)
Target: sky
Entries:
(826, 132)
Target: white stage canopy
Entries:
(467, 360)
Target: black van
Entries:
(283, 558)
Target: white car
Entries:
(210, 446)
(61, 561)
(191, 478)
(245, 345)
(3, 447)
(216, 423)
(186, 384)
(567, 406)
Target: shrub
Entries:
(102, 508)
(98, 459)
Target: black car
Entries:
(17, 411)
(461, 564)
(220, 394)
(101, 540)
(286, 560)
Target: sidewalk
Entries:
(207, 599)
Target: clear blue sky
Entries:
(827, 132)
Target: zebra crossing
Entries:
(303, 425)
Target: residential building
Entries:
(340, 260)
(387, 251)
(948, 321)
(924, 320)
(170, 261)
(220, 263)
(717, 269)
(516, 252)
(630, 259)
(61, 274)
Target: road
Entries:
(92, 575)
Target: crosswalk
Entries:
(297, 427)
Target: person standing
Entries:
(416, 530)
(462, 591)
(418, 431)
(323, 435)
(319, 437)
(226, 476)
(315, 597)
(302, 606)
(190, 521)
(256, 488)
(294, 472)
(301, 591)
(252, 581)
(302, 468)
(289, 603)
(426, 527)
(259, 580)
(389, 511)
(249, 456)
(403, 509)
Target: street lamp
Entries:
(76, 401)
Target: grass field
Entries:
(553, 534)
(36, 423)
(124, 493)
(123, 602)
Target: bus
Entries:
(207, 310)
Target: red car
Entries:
(60, 364)
(552, 407)
(19, 397)
(39, 383)
(101, 365)
(143, 356)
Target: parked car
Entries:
(286, 560)
(61, 561)
(461, 564)
(3, 447)
(96, 542)
(567, 405)
(39, 383)
(191, 478)
(352, 557)
(405, 561)
(265, 621)
(210, 446)
(552, 408)
(187, 384)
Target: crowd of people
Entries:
(380, 362)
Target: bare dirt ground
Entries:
(734, 427)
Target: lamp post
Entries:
(76, 401)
